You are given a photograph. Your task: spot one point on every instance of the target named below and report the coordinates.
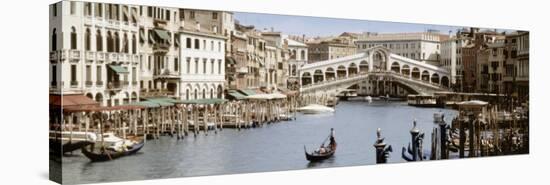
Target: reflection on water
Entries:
(270, 148)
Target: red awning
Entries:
(98, 108)
(72, 100)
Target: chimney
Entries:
(198, 26)
(303, 37)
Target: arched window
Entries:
(125, 43)
(73, 38)
(117, 43)
(110, 42)
(134, 49)
(98, 41)
(87, 40)
(203, 93)
(197, 44)
(54, 39)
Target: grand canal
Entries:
(273, 147)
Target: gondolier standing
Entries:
(332, 140)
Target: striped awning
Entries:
(119, 69)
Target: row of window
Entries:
(88, 73)
(196, 44)
(112, 11)
(114, 42)
(205, 66)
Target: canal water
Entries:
(272, 147)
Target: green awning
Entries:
(163, 101)
(248, 92)
(230, 60)
(237, 95)
(163, 34)
(118, 69)
(204, 101)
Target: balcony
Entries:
(114, 85)
(74, 83)
(242, 70)
(89, 83)
(74, 54)
(99, 83)
(160, 47)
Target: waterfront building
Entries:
(470, 57)
(202, 75)
(451, 57)
(280, 56)
(117, 54)
(490, 65)
(237, 64)
(422, 46)
(516, 76)
(298, 56)
(94, 51)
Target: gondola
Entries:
(324, 152)
(109, 154)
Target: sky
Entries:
(320, 26)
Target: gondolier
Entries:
(332, 134)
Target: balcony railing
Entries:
(114, 85)
(99, 83)
(134, 83)
(74, 83)
(89, 83)
(160, 47)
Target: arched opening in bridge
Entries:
(406, 71)
(317, 76)
(435, 78)
(329, 74)
(352, 69)
(363, 66)
(306, 79)
(425, 76)
(415, 73)
(395, 67)
(445, 81)
(379, 59)
(341, 72)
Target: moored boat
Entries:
(315, 109)
(110, 153)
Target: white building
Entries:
(451, 57)
(202, 74)
(93, 51)
(423, 46)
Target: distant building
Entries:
(470, 54)
(490, 65)
(451, 58)
(330, 49)
(423, 46)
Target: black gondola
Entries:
(108, 154)
(324, 152)
(58, 148)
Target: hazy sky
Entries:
(315, 26)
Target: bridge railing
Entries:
(381, 73)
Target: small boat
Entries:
(315, 109)
(108, 154)
(323, 152)
(368, 99)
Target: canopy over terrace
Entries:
(271, 96)
(71, 101)
(236, 95)
(204, 101)
(99, 109)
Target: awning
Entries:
(287, 92)
(248, 92)
(72, 100)
(229, 60)
(98, 108)
(236, 95)
(163, 101)
(204, 101)
(142, 35)
(163, 34)
(267, 96)
(119, 69)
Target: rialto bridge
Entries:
(376, 71)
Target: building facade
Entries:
(516, 77)
(202, 75)
(117, 54)
(424, 46)
(94, 51)
(451, 58)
